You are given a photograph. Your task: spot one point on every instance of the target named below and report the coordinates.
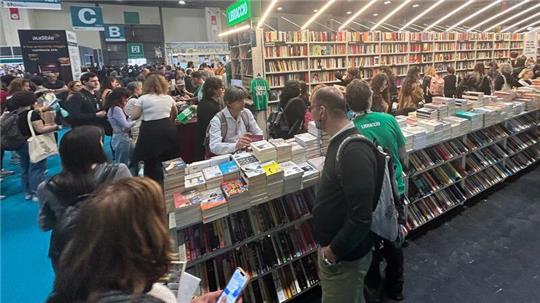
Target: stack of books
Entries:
(217, 160)
(213, 205)
(274, 179)
(441, 108)
(292, 177)
(187, 208)
(402, 121)
(463, 105)
(517, 107)
(324, 137)
(310, 175)
(449, 102)
(174, 173)
(476, 119)
(505, 96)
(427, 113)
(298, 152)
(317, 162)
(283, 150)
(263, 151)
(213, 177)
(236, 192)
(195, 181)
(491, 116)
(254, 175)
(408, 139)
(478, 98)
(197, 167)
(419, 136)
(459, 126)
(229, 170)
(309, 143)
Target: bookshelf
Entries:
(314, 57)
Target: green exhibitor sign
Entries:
(238, 12)
(135, 51)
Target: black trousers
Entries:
(384, 249)
(154, 170)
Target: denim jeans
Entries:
(32, 174)
(343, 282)
(122, 146)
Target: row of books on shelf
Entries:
(431, 206)
(323, 63)
(342, 36)
(202, 239)
(328, 49)
(426, 158)
(279, 80)
(281, 266)
(285, 51)
(285, 65)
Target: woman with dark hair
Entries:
(120, 249)
(381, 94)
(294, 108)
(73, 88)
(392, 87)
(32, 174)
(477, 81)
(84, 167)
(208, 107)
(110, 84)
(411, 95)
(121, 142)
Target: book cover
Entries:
(211, 173)
(212, 198)
(271, 168)
(234, 187)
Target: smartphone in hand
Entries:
(234, 288)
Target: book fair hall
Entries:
(270, 151)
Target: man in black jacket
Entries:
(344, 205)
(84, 107)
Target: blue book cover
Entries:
(228, 167)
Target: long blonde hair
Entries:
(155, 84)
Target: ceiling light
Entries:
(521, 21)
(266, 13)
(498, 15)
(421, 14)
(450, 14)
(279, 8)
(182, 2)
(315, 10)
(530, 28)
(527, 26)
(473, 15)
(415, 5)
(363, 9)
(318, 13)
(235, 30)
(375, 14)
(391, 14)
(512, 17)
(349, 12)
(387, 2)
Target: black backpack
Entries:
(12, 138)
(278, 126)
(66, 224)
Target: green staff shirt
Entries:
(384, 129)
(259, 91)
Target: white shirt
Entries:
(155, 107)
(235, 130)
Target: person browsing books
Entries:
(383, 129)
(233, 127)
(343, 208)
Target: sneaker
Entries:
(6, 172)
(35, 199)
(28, 197)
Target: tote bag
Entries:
(42, 146)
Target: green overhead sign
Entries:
(238, 12)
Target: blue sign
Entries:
(33, 4)
(115, 33)
(87, 18)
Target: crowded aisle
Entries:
(278, 159)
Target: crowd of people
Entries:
(102, 218)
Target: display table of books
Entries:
(252, 209)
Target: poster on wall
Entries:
(531, 44)
(74, 55)
(45, 51)
(33, 4)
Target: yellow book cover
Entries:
(271, 168)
